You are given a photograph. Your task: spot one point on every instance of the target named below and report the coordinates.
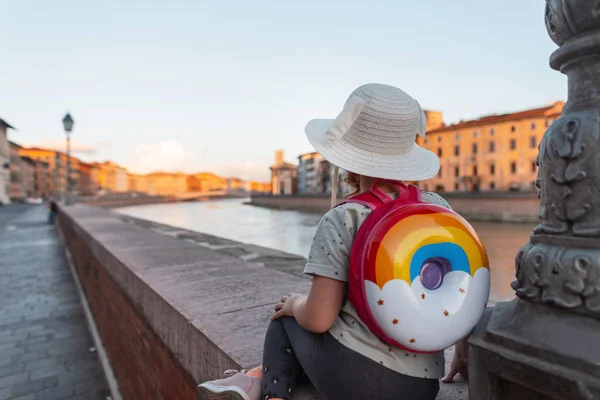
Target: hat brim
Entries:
(417, 165)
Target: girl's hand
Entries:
(285, 307)
(460, 362)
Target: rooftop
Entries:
(6, 124)
(548, 111)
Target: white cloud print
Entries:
(430, 320)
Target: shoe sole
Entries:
(208, 391)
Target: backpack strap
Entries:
(376, 197)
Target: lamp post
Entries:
(544, 344)
(68, 125)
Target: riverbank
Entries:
(520, 207)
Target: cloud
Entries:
(247, 170)
(167, 156)
(76, 146)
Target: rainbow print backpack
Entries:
(419, 274)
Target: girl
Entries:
(320, 335)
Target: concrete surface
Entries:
(44, 339)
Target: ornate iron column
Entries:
(546, 343)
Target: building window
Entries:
(492, 185)
(492, 132)
(475, 170)
(457, 136)
(456, 171)
(440, 173)
(492, 169)
(533, 166)
(513, 167)
(492, 147)
(475, 133)
(425, 141)
(533, 126)
(456, 186)
(513, 144)
(533, 142)
(513, 128)
(439, 152)
(474, 148)
(456, 150)
(439, 139)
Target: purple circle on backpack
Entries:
(433, 272)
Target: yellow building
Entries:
(166, 184)
(137, 183)
(495, 152)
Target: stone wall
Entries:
(496, 207)
(174, 307)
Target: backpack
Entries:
(419, 275)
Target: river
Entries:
(292, 231)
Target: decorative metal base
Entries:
(527, 351)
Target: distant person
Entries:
(52, 211)
(321, 336)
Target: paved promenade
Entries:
(46, 350)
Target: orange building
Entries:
(206, 182)
(57, 165)
(89, 179)
(495, 152)
(258, 187)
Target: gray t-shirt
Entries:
(329, 257)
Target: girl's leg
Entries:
(338, 372)
(280, 367)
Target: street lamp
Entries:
(68, 125)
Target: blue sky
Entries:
(220, 85)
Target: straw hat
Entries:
(375, 134)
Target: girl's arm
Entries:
(317, 311)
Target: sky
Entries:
(220, 85)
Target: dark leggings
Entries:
(337, 372)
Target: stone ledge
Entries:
(208, 299)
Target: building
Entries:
(283, 176)
(137, 183)
(28, 177)
(112, 178)
(315, 173)
(89, 179)
(206, 182)
(166, 184)
(495, 152)
(57, 165)
(42, 179)
(17, 185)
(257, 187)
(310, 177)
(235, 184)
(4, 163)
